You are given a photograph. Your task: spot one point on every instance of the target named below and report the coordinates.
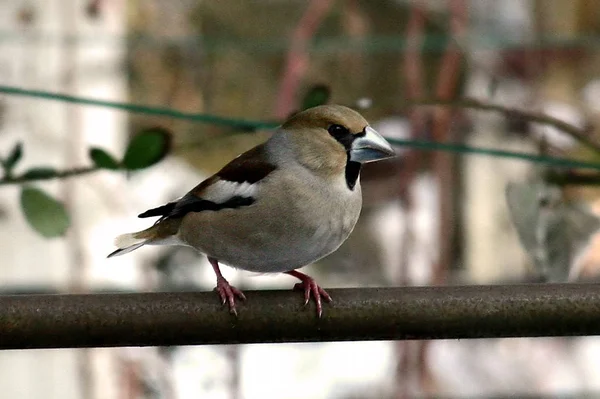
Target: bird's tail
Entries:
(132, 241)
(162, 233)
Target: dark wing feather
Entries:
(250, 167)
(160, 211)
(191, 203)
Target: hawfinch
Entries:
(277, 207)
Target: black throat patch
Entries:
(352, 173)
(352, 167)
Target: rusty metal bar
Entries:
(62, 321)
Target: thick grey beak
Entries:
(370, 147)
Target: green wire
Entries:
(465, 149)
(142, 109)
(257, 125)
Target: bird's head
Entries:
(326, 137)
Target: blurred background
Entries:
(429, 218)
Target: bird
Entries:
(279, 206)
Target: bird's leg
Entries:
(226, 291)
(310, 287)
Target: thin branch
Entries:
(528, 310)
(57, 175)
(573, 179)
(581, 135)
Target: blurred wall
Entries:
(56, 45)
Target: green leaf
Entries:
(103, 159)
(317, 95)
(40, 173)
(45, 214)
(147, 148)
(14, 157)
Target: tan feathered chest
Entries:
(304, 222)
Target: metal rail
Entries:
(100, 320)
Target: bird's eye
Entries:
(338, 131)
(342, 135)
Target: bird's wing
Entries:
(233, 186)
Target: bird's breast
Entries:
(288, 227)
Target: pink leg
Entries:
(226, 291)
(310, 287)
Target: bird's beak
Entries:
(370, 146)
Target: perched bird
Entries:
(277, 207)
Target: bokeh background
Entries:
(429, 217)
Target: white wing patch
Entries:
(223, 190)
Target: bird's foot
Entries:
(311, 288)
(228, 293)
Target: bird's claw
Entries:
(228, 293)
(310, 287)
